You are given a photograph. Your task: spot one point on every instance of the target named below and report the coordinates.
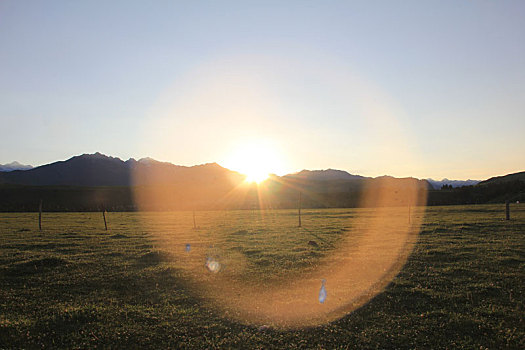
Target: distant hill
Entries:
(499, 189)
(437, 184)
(92, 170)
(506, 178)
(85, 170)
(92, 181)
(14, 166)
(324, 175)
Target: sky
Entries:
(428, 89)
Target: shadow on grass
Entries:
(118, 302)
(35, 266)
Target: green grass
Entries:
(74, 285)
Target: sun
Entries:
(256, 160)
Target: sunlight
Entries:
(255, 159)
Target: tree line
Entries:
(20, 198)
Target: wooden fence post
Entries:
(194, 223)
(40, 216)
(507, 210)
(300, 195)
(104, 216)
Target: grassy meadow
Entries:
(137, 285)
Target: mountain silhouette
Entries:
(14, 166)
(437, 184)
(93, 181)
(92, 170)
(505, 179)
(324, 175)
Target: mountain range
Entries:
(101, 170)
(109, 181)
(14, 166)
(91, 181)
(505, 179)
(90, 170)
(437, 184)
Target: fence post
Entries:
(194, 223)
(104, 216)
(507, 210)
(300, 195)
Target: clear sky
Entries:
(404, 88)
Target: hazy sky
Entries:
(405, 88)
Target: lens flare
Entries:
(273, 272)
(322, 292)
(213, 265)
(268, 272)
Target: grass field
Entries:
(74, 285)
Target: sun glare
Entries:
(256, 160)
